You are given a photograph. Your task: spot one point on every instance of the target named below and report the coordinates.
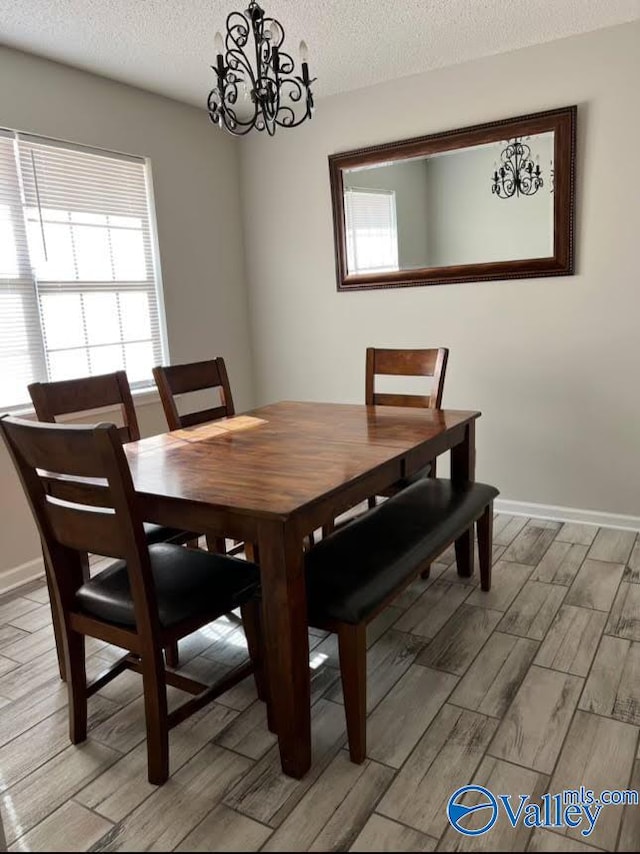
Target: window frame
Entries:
(390, 196)
(143, 391)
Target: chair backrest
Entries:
(88, 393)
(407, 363)
(78, 484)
(173, 380)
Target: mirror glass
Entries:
(474, 205)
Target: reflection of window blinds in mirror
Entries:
(371, 230)
(79, 289)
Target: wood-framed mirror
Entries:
(493, 201)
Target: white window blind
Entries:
(371, 229)
(78, 275)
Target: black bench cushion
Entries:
(351, 572)
(189, 583)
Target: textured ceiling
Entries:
(167, 45)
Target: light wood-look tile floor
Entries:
(532, 688)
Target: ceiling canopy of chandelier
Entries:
(257, 86)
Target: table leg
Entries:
(463, 470)
(286, 642)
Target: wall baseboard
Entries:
(568, 514)
(33, 570)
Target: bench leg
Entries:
(464, 553)
(352, 644)
(485, 546)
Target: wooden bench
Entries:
(358, 570)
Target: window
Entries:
(372, 233)
(79, 290)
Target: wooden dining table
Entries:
(271, 476)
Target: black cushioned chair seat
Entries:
(351, 572)
(188, 583)
(162, 534)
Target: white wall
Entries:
(468, 223)
(195, 176)
(552, 363)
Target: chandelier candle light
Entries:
(516, 175)
(257, 87)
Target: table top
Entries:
(276, 459)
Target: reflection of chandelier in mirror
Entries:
(258, 88)
(516, 175)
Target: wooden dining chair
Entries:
(176, 380)
(430, 364)
(149, 598)
(67, 397)
(86, 394)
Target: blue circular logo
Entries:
(457, 812)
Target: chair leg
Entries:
(86, 568)
(251, 552)
(485, 546)
(426, 572)
(371, 502)
(252, 623)
(264, 666)
(352, 644)
(216, 545)
(328, 529)
(193, 544)
(155, 708)
(76, 686)
(250, 613)
(172, 656)
(58, 628)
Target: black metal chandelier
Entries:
(257, 87)
(516, 175)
